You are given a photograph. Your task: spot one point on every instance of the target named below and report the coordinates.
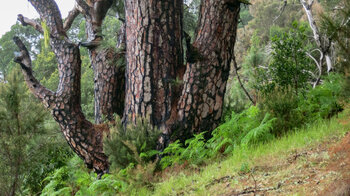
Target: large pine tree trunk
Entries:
(154, 53)
(109, 83)
(154, 57)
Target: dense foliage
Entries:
(29, 146)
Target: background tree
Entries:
(289, 66)
(323, 42)
(31, 39)
(21, 122)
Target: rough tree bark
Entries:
(83, 137)
(154, 53)
(109, 78)
(154, 68)
(201, 103)
(150, 69)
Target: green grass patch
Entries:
(245, 158)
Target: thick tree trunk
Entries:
(201, 103)
(154, 61)
(109, 83)
(109, 78)
(154, 54)
(83, 137)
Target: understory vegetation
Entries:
(289, 109)
(242, 135)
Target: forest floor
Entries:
(318, 167)
(322, 168)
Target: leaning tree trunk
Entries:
(84, 137)
(201, 103)
(109, 77)
(154, 53)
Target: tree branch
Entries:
(94, 13)
(240, 82)
(39, 91)
(50, 14)
(70, 18)
(318, 64)
(84, 7)
(323, 44)
(281, 12)
(26, 21)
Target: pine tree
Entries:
(21, 119)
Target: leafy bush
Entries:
(136, 144)
(282, 105)
(54, 156)
(292, 111)
(29, 145)
(195, 152)
(290, 65)
(75, 179)
(322, 101)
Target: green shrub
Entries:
(282, 104)
(292, 111)
(136, 144)
(172, 154)
(322, 101)
(290, 65)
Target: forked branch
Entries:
(70, 19)
(39, 91)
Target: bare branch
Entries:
(319, 66)
(83, 7)
(323, 43)
(26, 21)
(312, 23)
(309, 72)
(281, 12)
(263, 67)
(51, 15)
(240, 82)
(70, 18)
(39, 91)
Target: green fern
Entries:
(262, 133)
(172, 154)
(241, 129)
